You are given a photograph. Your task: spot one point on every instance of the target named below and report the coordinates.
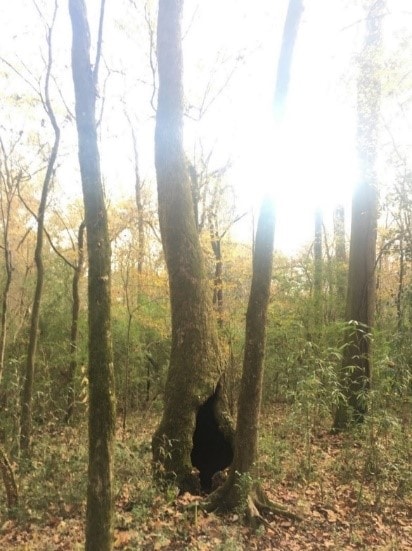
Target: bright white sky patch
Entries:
(309, 162)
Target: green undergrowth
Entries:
(352, 489)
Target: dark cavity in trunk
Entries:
(211, 451)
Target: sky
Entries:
(309, 162)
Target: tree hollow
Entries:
(212, 450)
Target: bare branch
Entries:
(152, 56)
(99, 44)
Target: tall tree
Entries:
(99, 516)
(232, 494)
(195, 364)
(360, 305)
(27, 391)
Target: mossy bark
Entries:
(195, 363)
(99, 514)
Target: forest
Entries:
(206, 280)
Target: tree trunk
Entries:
(340, 260)
(318, 278)
(240, 489)
(360, 305)
(195, 365)
(400, 292)
(9, 483)
(4, 303)
(251, 383)
(138, 186)
(8, 191)
(27, 391)
(99, 515)
(78, 270)
(216, 242)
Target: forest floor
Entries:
(353, 492)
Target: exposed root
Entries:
(255, 504)
(256, 507)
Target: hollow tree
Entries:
(99, 514)
(193, 398)
(360, 302)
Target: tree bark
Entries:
(241, 490)
(74, 329)
(360, 305)
(99, 515)
(9, 481)
(245, 454)
(216, 242)
(195, 365)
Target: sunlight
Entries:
(303, 165)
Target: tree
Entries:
(27, 392)
(340, 257)
(192, 393)
(360, 305)
(318, 276)
(232, 494)
(99, 515)
(74, 326)
(9, 185)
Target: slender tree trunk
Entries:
(340, 260)
(195, 365)
(399, 296)
(99, 515)
(255, 338)
(4, 304)
(9, 483)
(318, 277)
(27, 392)
(360, 305)
(216, 242)
(6, 198)
(138, 186)
(237, 490)
(74, 329)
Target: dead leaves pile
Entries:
(337, 515)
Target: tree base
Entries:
(253, 503)
(9, 483)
